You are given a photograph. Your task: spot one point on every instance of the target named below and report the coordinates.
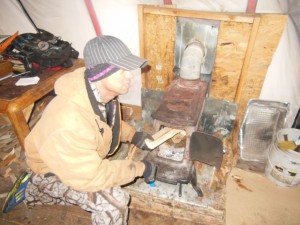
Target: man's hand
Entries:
(149, 172)
(139, 140)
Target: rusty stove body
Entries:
(181, 108)
(183, 103)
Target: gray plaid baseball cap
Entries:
(109, 49)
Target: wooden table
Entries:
(14, 99)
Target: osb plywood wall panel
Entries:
(159, 40)
(267, 38)
(231, 49)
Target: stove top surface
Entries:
(182, 103)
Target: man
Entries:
(67, 150)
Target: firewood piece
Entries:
(131, 152)
(8, 159)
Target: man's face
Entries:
(117, 83)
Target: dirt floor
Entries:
(255, 200)
(251, 198)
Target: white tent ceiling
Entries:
(70, 20)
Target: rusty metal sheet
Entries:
(183, 103)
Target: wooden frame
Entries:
(245, 47)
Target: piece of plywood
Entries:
(166, 11)
(231, 49)
(257, 200)
(267, 38)
(247, 58)
(246, 44)
(159, 42)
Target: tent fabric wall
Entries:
(282, 80)
(283, 77)
(213, 5)
(70, 20)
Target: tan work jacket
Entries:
(66, 141)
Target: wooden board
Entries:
(268, 30)
(267, 38)
(231, 49)
(157, 27)
(159, 50)
(246, 44)
(167, 11)
(5, 68)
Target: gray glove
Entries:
(149, 172)
(139, 140)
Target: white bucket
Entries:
(283, 167)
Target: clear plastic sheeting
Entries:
(260, 124)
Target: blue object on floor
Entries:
(17, 193)
(152, 184)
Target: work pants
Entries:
(109, 206)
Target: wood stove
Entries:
(180, 108)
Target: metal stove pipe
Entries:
(191, 61)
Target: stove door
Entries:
(206, 148)
(170, 171)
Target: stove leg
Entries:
(194, 183)
(180, 190)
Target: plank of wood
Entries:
(8, 158)
(131, 152)
(267, 38)
(236, 17)
(5, 68)
(163, 138)
(248, 55)
(230, 54)
(159, 44)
